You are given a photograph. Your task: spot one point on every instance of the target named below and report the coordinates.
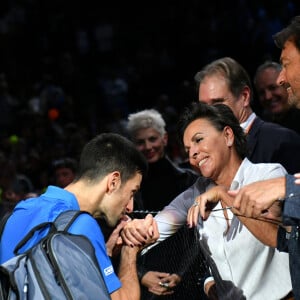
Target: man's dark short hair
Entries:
(289, 33)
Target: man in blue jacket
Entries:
(109, 174)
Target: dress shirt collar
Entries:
(239, 177)
(246, 125)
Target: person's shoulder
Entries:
(85, 224)
(293, 111)
(260, 169)
(276, 131)
(267, 125)
(85, 218)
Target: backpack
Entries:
(60, 266)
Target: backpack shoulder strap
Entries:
(62, 223)
(30, 234)
(65, 219)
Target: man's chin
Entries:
(103, 219)
(112, 223)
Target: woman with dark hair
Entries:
(242, 266)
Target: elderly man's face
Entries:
(272, 97)
(214, 90)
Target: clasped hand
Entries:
(140, 232)
(160, 283)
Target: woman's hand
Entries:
(140, 232)
(160, 283)
(206, 202)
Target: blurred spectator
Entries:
(81, 71)
(113, 89)
(274, 98)
(164, 180)
(19, 188)
(169, 113)
(9, 106)
(64, 171)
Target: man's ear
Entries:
(113, 181)
(246, 96)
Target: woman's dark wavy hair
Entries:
(219, 116)
(109, 152)
(289, 33)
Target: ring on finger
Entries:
(164, 284)
(196, 203)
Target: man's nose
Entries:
(281, 79)
(268, 95)
(129, 207)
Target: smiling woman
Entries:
(213, 141)
(147, 130)
(216, 145)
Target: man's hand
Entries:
(160, 283)
(114, 242)
(297, 178)
(140, 232)
(274, 212)
(254, 200)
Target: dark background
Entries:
(156, 46)
(72, 69)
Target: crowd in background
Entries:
(70, 70)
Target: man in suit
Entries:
(226, 81)
(279, 198)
